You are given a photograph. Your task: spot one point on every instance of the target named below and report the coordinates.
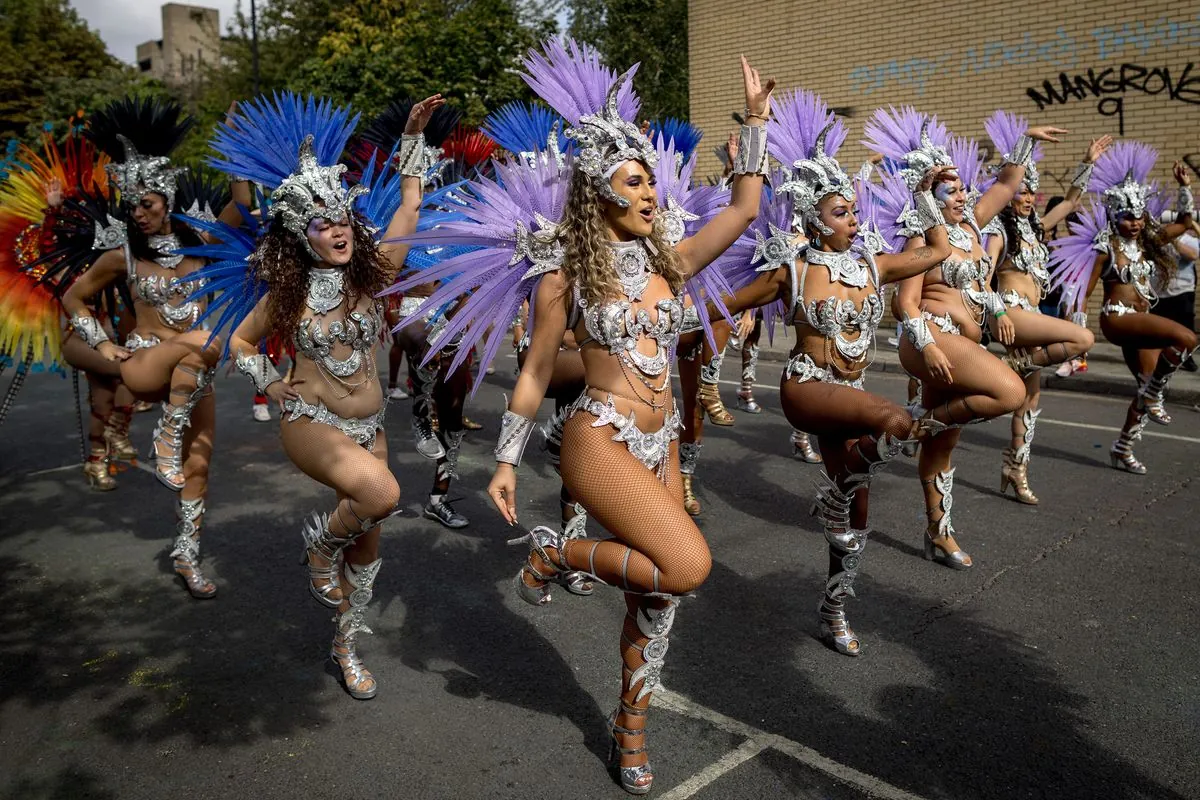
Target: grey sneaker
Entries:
(445, 514)
(426, 440)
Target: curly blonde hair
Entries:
(588, 263)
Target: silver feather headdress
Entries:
(1127, 197)
(606, 141)
(812, 178)
(310, 192)
(138, 175)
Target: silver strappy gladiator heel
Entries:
(943, 482)
(318, 541)
(359, 682)
(1121, 455)
(187, 550)
(168, 433)
(1152, 395)
(574, 581)
(802, 448)
(538, 538)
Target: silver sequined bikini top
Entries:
(1137, 271)
(834, 318)
(358, 330)
(160, 290)
(1032, 256)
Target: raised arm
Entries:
(549, 325)
(1185, 208)
(1079, 182)
(766, 288)
(108, 268)
(1008, 181)
(698, 251)
(411, 164)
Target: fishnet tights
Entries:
(983, 386)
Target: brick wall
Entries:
(1144, 60)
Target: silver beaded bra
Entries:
(1137, 271)
(839, 318)
(159, 290)
(618, 326)
(1032, 259)
(357, 330)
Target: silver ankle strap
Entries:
(655, 624)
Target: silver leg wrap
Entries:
(1121, 455)
(750, 366)
(689, 455)
(943, 482)
(1029, 420)
(447, 468)
(169, 430)
(655, 624)
(351, 623)
(186, 551)
(711, 372)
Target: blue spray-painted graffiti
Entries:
(1061, 50)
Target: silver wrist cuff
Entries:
(993, 303)
(1079, 318)
(917, 332)
(752, 151)
(89, 329)
(515, 431)
(928, 214)
(259, 369)
(409, 159)
(1186, 203)
(864, 172)
(1082, 176)
(1022, 152)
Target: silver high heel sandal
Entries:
(802, 448)
(636, 780)
(538, 538)
(943, 482)
(344, 652)
(187, 550)
(1121, 455)
(574, 581)
(1151, 398)
(318, 541)
(168, 433)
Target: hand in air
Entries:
(280, 391)
(758, 95)
(1182, 174)
(938, 365)
(1046, 133)
(503, 492)
(54, 195)
(421, 113)
(1097, 148)
(939, 172)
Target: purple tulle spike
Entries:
(895, 132)
(797, 120)
(884, 203)
(1123, 158)
(968, 161)
(1004, 129)
(1158, 200)
(574, 81)
(1073, 256)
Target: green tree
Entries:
(653, 32)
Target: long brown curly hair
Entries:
(283, 262)
(588, 262)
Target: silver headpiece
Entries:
(1126, 197)
(310, 192)
(812, 178)
(607, 140)
(918, 162)
(139, 175)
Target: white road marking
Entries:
(805, 755)
(63, 468)
(730, 761)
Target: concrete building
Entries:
(1128, 69)
(191, 38)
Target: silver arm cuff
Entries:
(410, 158)
(928, 214)
(1186, 203)
(89, 329)
(1082, 176)
(994, 304)
(259, 369)
(864, 172)
(752, 151)
(1079, 318)
(1022, 152)
(917, 332)
(515, 431)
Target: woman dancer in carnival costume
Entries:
(1015, 244)
(943, 310)
(312, 276)
(832, 286)
(595, 249)
(35, 227)
(1119, 243)
(139, 135)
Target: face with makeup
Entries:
(331, 240)
(836, 213)
(1022, 202)
(150, 214)
(952, 198)
(1129, 226)
(635, 183)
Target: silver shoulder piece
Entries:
(259, 369)
(928, 214)
(410, 157)
(1082, 176)
(89, 329)
(917, 332)
(752, 151)
(515, 431)
(1021, 154)
(110, 236)
(1186, 203)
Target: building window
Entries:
(144, 65)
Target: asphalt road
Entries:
(1064, 665)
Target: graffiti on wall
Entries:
(1110, 86)
(1061, 50)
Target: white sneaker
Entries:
(262, 413)
(396, 393)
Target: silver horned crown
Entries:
(918, 162)
(1126, 197)
(139, 175)
(812, 178)
(607, 140)
(312, 191)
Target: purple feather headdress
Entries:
(916, 141)
(889, 205)
(968, 163)
(1121, 176)
(601, 108)
(1005, 129)
(512, 224)
(1073, 256)
(804, 135)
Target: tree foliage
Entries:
(653, 32)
